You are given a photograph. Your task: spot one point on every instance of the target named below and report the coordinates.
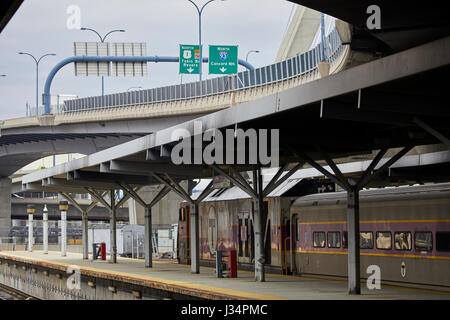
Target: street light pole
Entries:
(246, 57)
(102, 39)
(37, 75)
(200, 10)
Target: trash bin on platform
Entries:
(226, 264)
(99, 249)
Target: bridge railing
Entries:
(284, 70)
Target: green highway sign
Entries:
(189, 59)
(223, 59)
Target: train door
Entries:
(212, 231)
(245, 238)
(267, 233)
(285, 246)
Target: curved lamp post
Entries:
(255, 51)
(102, 39)
(37, 75)
(200, 10)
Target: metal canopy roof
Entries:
(394, 93)
(8, 8)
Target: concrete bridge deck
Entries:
(178, 279)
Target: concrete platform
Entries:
(177, 278)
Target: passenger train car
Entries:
(403, 230)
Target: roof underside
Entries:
(404, 24)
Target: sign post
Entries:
(189, 59)
(223, 59)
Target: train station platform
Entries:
(176, 278)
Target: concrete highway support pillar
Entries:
(354, 282)
(30, 211)
(112, 227)
(258, 227)
(45, 229)
(148, 246)
(5, 202)
(63, 207)
(195, 245)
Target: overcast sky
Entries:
(40, 27)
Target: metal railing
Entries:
(299, 65)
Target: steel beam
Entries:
(334, 167)
(148, 249)
(206, 192)
(144, 168)
(369, 177)
(322, 170)
(246, 188)
(363, 180)
(92, 176)
(173, 188)
(274, 178)
(258, 227)
(162, 193)
(354, 282)
(99, 197)
(432, 131)
(179, 188)
(275, 182)
(55, 182)
(128, 190)
(112, 227)
(195, 244)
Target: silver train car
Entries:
(405, 231)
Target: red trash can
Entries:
(232, 264)
(103, 251)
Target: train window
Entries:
(319, 239)
(345, 240)
(366, 240)
(443, 241)
(423, 241)
(334, 239)
(402, 240)
(384, 240)
(297, 238)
